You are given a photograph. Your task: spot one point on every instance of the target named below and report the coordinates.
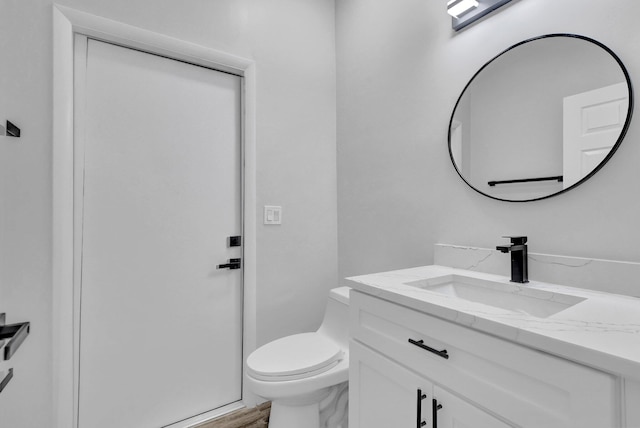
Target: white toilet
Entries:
(305, 376)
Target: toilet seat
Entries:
(294, 357)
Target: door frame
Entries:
(67, 24)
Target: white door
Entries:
(592, 124)
(384, 394)
(160, 325)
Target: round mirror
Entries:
(540, 118)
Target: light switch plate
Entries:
(272, 214)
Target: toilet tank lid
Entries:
(340, 294)
(291, 355)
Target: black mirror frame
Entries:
(600, 165)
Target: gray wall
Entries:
(400, 71)
(293, 44)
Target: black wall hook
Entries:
(12, 130)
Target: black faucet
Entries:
(519, 265)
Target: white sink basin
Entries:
(514, 298)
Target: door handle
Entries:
(435, 407)
(233, 264)
(421, 396)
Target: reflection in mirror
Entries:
(540, 118)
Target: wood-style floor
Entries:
(258, 417)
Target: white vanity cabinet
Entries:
(478, 379)
(632, 404)
(386, 394)
(455, 412)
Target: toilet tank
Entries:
(335, 324)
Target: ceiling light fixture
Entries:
(456, 8)
(465, 12)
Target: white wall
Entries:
(292, 42)
(400, 71)
(25, 206)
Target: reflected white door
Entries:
(160, 326)
(592, 122)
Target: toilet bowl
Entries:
(305, 376)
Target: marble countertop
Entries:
(601, 331)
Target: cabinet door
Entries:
(458, 413)
(632, 398)
(384, 394)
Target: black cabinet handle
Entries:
(16, 333)
(435, 409)
(421, 396)
(6, 379)
(420, 344)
